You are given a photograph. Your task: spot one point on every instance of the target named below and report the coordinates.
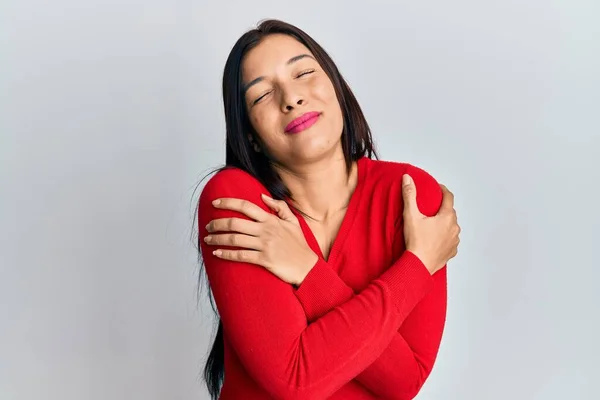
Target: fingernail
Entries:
(207, 226)
(216, 202)
(217, 252)
(207, 239)
(406, 179)
(266, 197)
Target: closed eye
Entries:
(259, 99)
(305, 73)
(310, 71)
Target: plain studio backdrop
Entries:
(111, 113)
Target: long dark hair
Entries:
(356, 143)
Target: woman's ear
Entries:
(254, 144)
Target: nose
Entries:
(291, 99)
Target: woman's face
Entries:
(283, 82)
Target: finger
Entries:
(245, 207)
(234, 240)
(409, 195)
(447, 200)
(281, 207)
(249, 256)
(234, 225)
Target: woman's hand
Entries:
(275, 242)
(433, 239)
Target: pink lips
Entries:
(303, 122)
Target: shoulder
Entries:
(231, 182)
(388, 174)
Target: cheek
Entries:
(264, 124)
(259, 121)
(326, 92)
(330, 99)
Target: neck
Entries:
(320, 189)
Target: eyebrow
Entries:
(261, 78)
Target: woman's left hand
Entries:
(275, 242)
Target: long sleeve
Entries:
(401, 370)
(266, 324)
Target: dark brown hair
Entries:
(356, 142)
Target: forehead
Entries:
(270, 54)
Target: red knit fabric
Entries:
(366, 323)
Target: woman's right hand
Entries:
(433, 239)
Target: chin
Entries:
(318, 151)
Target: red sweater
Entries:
(366, 323)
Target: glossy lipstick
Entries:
(303, 122)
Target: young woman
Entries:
(327, 265)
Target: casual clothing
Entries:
(366, 323)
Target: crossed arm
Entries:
(309, 342)
(401, 370)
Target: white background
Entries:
(111, 113)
